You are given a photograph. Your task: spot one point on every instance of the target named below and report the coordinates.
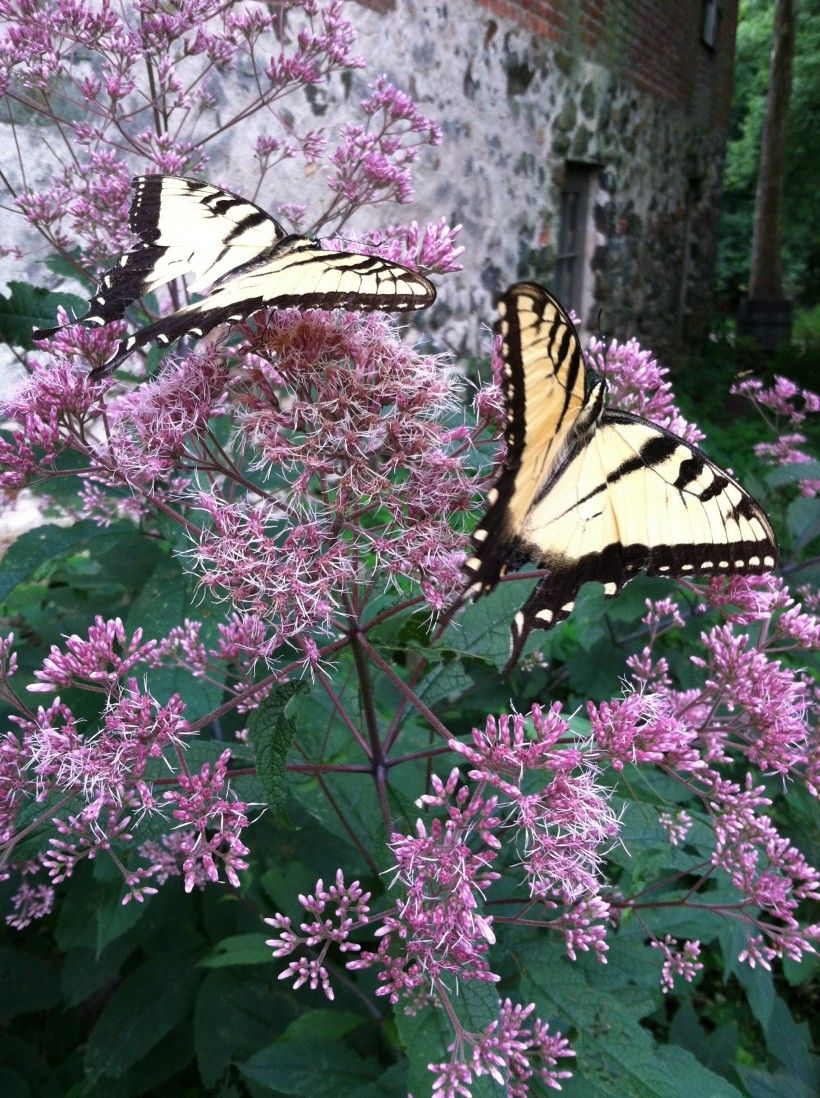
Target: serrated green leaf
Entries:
(271, 732)
(235, 1017)
(240, 949)
(720, 1049)
(482, 628)
(167, 1058)
(84, 972)
(49, 542)
(443, 681)
(790, 1043)
(602, 1006)
(322, 1071)
(29, 307)
(146, 1006)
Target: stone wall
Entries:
(521, 88)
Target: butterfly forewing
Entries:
(545, 394)
(184, 227)
(302, 275)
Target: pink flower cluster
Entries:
(439, 929)
(750, 709)
(787, 401)
(325, 926)
(372, 163)
(678, 962)
(565, 827)
(95, 783)
(137, 89)
(355, 415)
(784, 397)
(512, 1049)
(638, 384)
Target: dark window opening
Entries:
(573, 235)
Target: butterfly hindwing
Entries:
(605, 494)
(187, 227)
(635, 498)
(298, 273)
(545, 387)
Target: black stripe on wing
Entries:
(195, 322)
(161, 198)
(221, 307)
(615, 564)
(529, 317)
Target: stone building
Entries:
(584, 144)
(583, 147)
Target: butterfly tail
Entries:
(167, 330)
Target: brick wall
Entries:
(653, 44)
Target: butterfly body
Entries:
(241, 258)
(591, 493)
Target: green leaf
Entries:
(782, 475)
(26, 1060)
(84, 972)
(390, 1084)
(166, 1059)
(271, 732)
(60, 263)
(46, 543)
(601, 1008)
(790, 1043)
(760, 1084)
(33, 307)
(426, 1035)
(27, 983)
(803, 519)
(13, 1085)
(165, 601)
(114, 918)
(146, 1006)
(234, 1018)
(322, 1025)
(320, 1070)
(241, 949)
(303, 852)
(482, 628)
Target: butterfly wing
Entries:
(632, 497)
(548, 397)
(184, 227)
(296, 272)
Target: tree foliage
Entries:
(801, 214)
